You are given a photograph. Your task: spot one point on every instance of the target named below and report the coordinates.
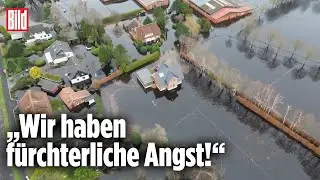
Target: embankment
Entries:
(272, 118)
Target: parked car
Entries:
(88, 47)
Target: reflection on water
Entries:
(205, 110)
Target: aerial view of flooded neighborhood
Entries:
(245, 72)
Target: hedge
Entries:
(57, 105)
(95, 51)
(52, 77)
(142, 62)
(23, 83)
(39, 62)
(42, 46)
(124, 16)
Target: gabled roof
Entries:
(48, 85)
(147, 31)
(72, 98)
(58, 49)
(36, 29)
(135, 23)
(168, 70)
(77, 73)
(35, 102)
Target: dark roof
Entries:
(132, 25)
(36, 29)
(58, 49)
(77, 73)
(167, 71)
(48, 85)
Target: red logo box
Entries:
(17, 19)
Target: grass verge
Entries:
(15, 171)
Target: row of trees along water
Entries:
(272, 48)
(264, 95)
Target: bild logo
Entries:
(17, 19)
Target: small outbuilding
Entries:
(49, 87)
(145, 78)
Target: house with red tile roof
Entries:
(147, 33)
(35, 102)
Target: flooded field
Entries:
(255, 149)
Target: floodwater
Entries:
(256, 150)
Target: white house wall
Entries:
(39, 36)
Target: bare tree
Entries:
(297, 44)
(74, 12)
(309, 54)
(272, 35)
(279, 45)
(275, 3)
(298, 118)
(204, 173)
(261, 10)
(141, 174)
(254, 37)
(173, 175)
(157, 135)
(247, 26)
(287, 112)
(277, 101)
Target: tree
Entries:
(35, 72)
(297, 44)
(181, 7)
(15, 49)
(49, 174)
(74, 12)
(158, 135)
(11, 67)
(14, 4)
(120, 55)
(160, 17)
(94, 36)
(182, 29)
(147, 20)
(141, 174)
(205, 25)
(143, 50)
(47, 11)
(85, 173)
(279, 45)
(309, 54)
(272, 35)
(105, 54)
(136, 139)
(248, 26)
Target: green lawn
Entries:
(99, 106)
(57, 105)
(52, 77)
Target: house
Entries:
(37, 33)
(168, 75)
(150, 4)
(35, 102)
(144, 77)
(49, 87)
(58, 52)
(218, 11)
(17, 36)
(76, 100)
(132, 25)
(147, 33)
(80, 79)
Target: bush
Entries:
(95, 51)
(143, 50)
(24, 83)
(40, 53)
(142, 62)
(3, 31)
(52, 77)
(136, 139)
(42, 46)
(155, 48)
(39, 62)
(35, 72)
(27, 52)
(57, 104)
(121, 17)
(15, 4)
